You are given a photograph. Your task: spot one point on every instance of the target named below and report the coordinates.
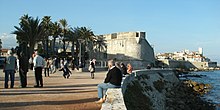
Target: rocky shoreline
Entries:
(187, 97)
(162, 90)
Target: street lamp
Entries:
(80, 51)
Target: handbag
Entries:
(91, 69)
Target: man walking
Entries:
(38, 66)
(9, 69)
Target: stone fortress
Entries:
(130, 47)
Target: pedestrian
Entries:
(31, 61)
(92, 68)
(10, 69)
(113, 80)
(23, 69)
(47, 67)
(38, 66)
(66, 71)
(52, 66)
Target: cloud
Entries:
(8, 40)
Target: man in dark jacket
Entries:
(113, 80)
(23, 69)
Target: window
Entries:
(137, 34)
(114, 36)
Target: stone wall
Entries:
(130, 47)
(154, 89)
(146, 89)
(186, 64)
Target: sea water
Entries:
(213, 78)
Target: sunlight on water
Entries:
(213, 78)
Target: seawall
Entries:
(146, 89)
(160, 89)
(154, 89)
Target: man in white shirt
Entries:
(38, 66)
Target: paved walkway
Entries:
(76, 93)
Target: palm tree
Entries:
(47, 25)
(29, 31)
(100, 44)
(65, 29)
(56, 32)
(87, 35)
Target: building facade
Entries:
(130, 47)
(186, 59)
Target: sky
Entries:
(171, 25)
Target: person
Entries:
(66, 71)
(31, 61)
(10, 69)
(117, 64)
(47, 67)
(129, 68)
(38, 66)
(113, 80)
(123, 68)
(23, 69)
(61, 63)
(52, 66)
(92, 68)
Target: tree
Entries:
(30, 31)
(100, 44)
(87, 36)
(56, 32)
(65, 28)
(0, 47)
(47, 27)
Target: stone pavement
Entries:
(76, 93)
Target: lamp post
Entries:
(80, 51)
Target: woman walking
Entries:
(92, 68)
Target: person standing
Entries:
(92, 68)
(113, 80)
(38, 66)
(23, 69)
(47, 67)
(10, 69)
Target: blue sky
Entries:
(171, 25)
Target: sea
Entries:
(213, 78)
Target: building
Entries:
(130, 47)
(186, 59)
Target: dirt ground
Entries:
(79, 92)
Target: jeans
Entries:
(102, 88)
(12, 78)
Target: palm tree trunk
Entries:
(54, 41)
(64, 43)
(47, 48)
(72, 49)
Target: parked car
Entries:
(2, 62)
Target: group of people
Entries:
(113, 78)
(12, 64)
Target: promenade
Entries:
(76, 93)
